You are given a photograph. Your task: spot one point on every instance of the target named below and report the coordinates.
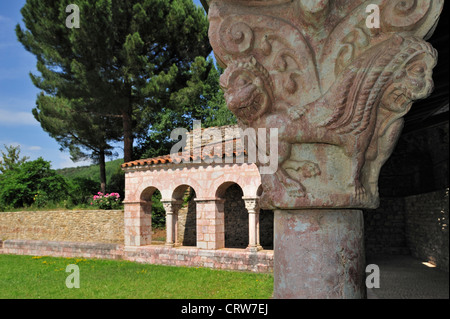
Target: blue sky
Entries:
(18, 95)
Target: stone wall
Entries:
(427, 218)
(187, 227)
(73, 226)
(416, 225)
(187, 220)
(236, 222)
(236, 219)
(384, 228)
(266, 228)
(229, 259)
(419, 163)
(62, 249)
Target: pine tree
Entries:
(125, 62)
(201, 99)
(86, 136)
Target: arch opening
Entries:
(158, 216)
(186, 220)
(235, 216)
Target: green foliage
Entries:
(158, 211)
(63, 106)
(84, 180)
(91, 171)
(202, 99)
(40, 199)
(28, 277)
(82, 190)
(34, 184)
(31, 181)
(106, 201)
(125, 62)
(11, 159)
(116, 183)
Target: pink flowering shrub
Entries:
(106, 201)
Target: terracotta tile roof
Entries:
(227, 144)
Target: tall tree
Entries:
(11, 159)
(84, 135)
(125, 61)
(201, 99)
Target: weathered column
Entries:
(171, 207)
(210, 223)
(138, 223)
(334, 79)
(251, 204)
(319, 254)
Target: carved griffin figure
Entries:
(335, 90)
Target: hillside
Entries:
(92, 171)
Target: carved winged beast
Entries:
(362, 109)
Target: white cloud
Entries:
(34, 148)
(66, 162)
(17, 118)
(7, 45)
(6, 26)
(58, 160)
(8, 143)
(4, 19)
(25, 150)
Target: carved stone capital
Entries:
(252, 205)
(335, 89)
(172, 206)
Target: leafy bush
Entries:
(108, 201)
(31, 181)
(158, 211)
(40, 199)
(116, 183)
(82, 189)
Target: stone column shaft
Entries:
(138, 223)
(210, 223)
(319, 254)
(253, 222)
(171, 207)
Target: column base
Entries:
(254, 249)
(319, 254)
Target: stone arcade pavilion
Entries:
(210, 182)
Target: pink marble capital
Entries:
(335, 87)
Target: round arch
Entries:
(180, 191)
(153, 195)
(222, 188)
(235, 215)
(186, 216)
(247, 178)
(147, 193)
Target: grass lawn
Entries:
(45, 277)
